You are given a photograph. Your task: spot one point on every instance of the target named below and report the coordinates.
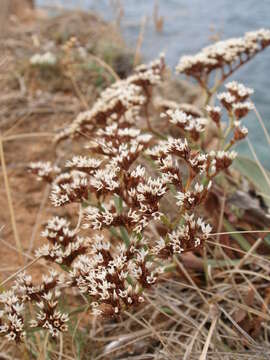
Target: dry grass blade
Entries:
(182, 268)
(101, 356)
(250, 340)
(78, 92)
(9, 198)
(38, 218)
(247, 255)
(76, 328)
(190, 345)
(25, 136)
(3, 61)
(19, 271)
(15, 249)
(248, 272)
(217, 297)
(14, 126)
(137, 55)
(151, 329)
(64, 356)
(251, 147)
(241, 232)
(105, 65)
(221, 217)
(266, 133)
(210, 334)
(238, 251)
(61, 350)
(44, 351)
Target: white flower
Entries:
(43, 59)
(83, 162)
(239, 89)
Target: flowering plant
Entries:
(125, 236)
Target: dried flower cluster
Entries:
(190, 125)
(120, 103)
(125, 237)
(125, 200)
(226, 55)
(237, 105)
(44, 170)
(64, 244)
(44, 296)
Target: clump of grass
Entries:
(140, 197)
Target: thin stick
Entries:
(222, 209)
(147, 325)
(139, 42)
(125, 346)
(3, 61)
(43, 355)
(209, 337)
(242, 331)
(10, 205)
(79, 219)
(237, 250)
(79, 93)
(190, 345)
(61, 347)
(241, 232)
(262, 124)
(17, 123)
(220, 297)
(80, 317)
(27, 135)
(258, 161)
(10, 246)
(182, 268)
(63, 355)
(38, 217)
(248, 254)
(20, 270)
(105, 66)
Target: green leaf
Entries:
(79, 310)
(170, 268)
(124, 235)
(64, 267)
(222, 263)
(33, 330)
(267, 240)
(118, 202)
(243, 243)
(114, 232)
(253, 173)
(167, 310)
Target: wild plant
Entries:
(139, 193)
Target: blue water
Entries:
(188, 26)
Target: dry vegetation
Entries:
(190, 293)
